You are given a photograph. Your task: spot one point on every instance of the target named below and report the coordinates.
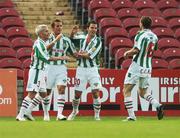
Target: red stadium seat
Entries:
(114, 45)
(166, 43)
(2, 32)
(133, 32)
(12, 21)
(127, 13)
(172, 53)
(10, 63)
(119, 57)
(126, 63)
(177, 34)
(117, 43)
(131, 23)
(174, 23)
(165, 4)
(26, 63)
(4, 42)
(104, 12)
(96, 4)
(174, 64)
(143, 4)
(112, 32)
(158, 54)
(20, 42)
(8, 12)
(171, 13)
(6, 4)
(150, 12)
(24, 53)
(6, 52)
(108, 22)
(13, 32)
(159, 64)
(119, 4)
(163, 32)
(159, 22)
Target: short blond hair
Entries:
(40, 28)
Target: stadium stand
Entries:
(97, 4)
(119, 57)
(26, 63)
(11, 22)
(166, 43)
(108, 22)
(2, 32)
(126, 63)
(171, 13)
(172, 53)
(166, 4)
(24, 53)
(127, 13)
(159, 22)
(144, 4)
(177, 34)
(174, 23)
(162, 32)
(174, 64)
(6, 4)
(6, 52)
(14, 32)
(4, 42)
(130, 23)
(8, 12)
(158, 54)
(150, 12)
(104, 12)
(112, 32)
(159, 64)
(20, 42)
(119, 4)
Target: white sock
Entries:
(61, 102)
(46, 103)
(151, 100)
(129, 106)
(97, 106)
(75, 104)
(36, 101)
(25, 104)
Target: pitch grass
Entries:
(86, 127)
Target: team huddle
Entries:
(48, 69)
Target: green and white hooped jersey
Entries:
(39, 56)
(146, 42)
(61, 48)
(94, 49)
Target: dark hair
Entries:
(91, 22)
(146, 22)
(53, 22)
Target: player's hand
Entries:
(67, 58)
(126, 55)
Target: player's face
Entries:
(92, 29)
(140, 25)
(45, 34)
(57, 29)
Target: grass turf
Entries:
(86, 127)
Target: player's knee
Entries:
(61, 89)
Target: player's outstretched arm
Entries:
(131, 52)
(50, 45)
